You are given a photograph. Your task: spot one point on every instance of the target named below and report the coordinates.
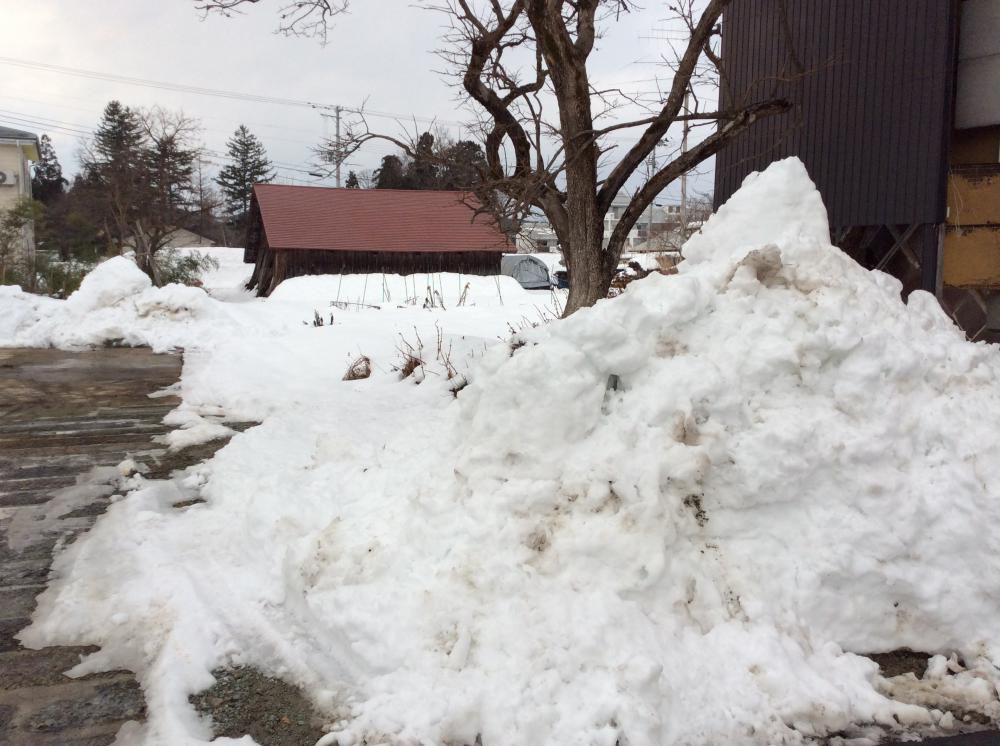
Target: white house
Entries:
(17, 150)
(536, 237)
(179, 238)
(664, 219)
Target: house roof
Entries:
(9, 133)
(392, 220)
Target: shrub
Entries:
(183, 268)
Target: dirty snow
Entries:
(674, 518)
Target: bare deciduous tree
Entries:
(525, 64)
(166, 196)
(297, 17)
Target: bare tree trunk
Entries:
(590, 266)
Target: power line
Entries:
(73, 128)
(215, 92)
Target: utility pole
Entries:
(684, 178)
(339, 152)
(649, 218)
(338, 144)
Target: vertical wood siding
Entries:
(873, 110)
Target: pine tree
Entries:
(248, 165)
(464, 164)
(390, 174)
(139, 168)
(47, 182)
(352, 181)
(115, 164)
(422, 172)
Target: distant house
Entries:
(664, 220)
(536, 237)
(179, 238)
(17, 150)
(299, 230)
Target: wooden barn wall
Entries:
(272, 266)
(873, 109)
(255, 239)
(304, 262)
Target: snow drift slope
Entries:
(661, 521)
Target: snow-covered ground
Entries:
(675, 518)
(225, 281)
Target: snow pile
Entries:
(226, 280)
(116, 304)
(440, 288)
(111, 283)
(674, 518)
(20, 310)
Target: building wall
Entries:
(977, 100)
(272, 267)
(872, 87)
(13, 161)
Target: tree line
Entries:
(437, 162)
(142, 177)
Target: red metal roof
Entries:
(325, 219)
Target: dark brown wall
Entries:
(305, 262)
(273, 267)
(873, 109)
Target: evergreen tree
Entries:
(464, 164)
(422, 171)
(73, 225)
(352, 181)
(115, 166)
(248, 165)
(390, 174)
(138, 175)
(47, 182)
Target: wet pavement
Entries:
(61, 415)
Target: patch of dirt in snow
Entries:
(243, 701)
(899, 662)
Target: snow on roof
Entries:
(391, 220)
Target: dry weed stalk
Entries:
(412, 356)
(358, 369)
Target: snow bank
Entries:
(116, 304)
(674, 518)
(225, 281)
(20, 310)
(402, 290)
(111, 283)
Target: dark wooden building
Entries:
(300, 230)
(897, 117)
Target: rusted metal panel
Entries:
(974, 196)
(872, 84)
(972, 257)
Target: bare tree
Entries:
(524, 63)
(167, 195)
(297, 17)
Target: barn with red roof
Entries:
(305, 230)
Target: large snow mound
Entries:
(674, 518)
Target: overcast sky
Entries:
(380, 54)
